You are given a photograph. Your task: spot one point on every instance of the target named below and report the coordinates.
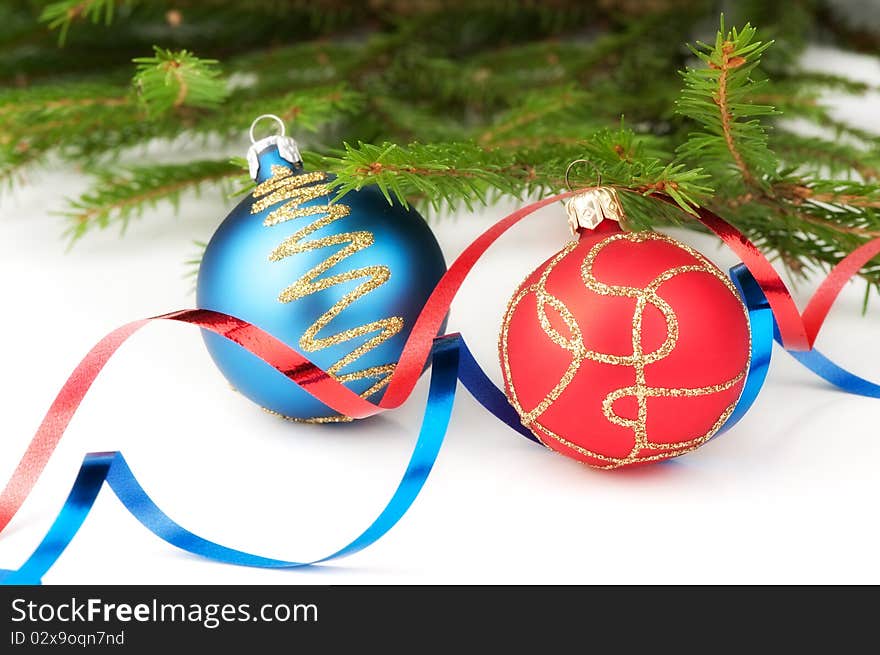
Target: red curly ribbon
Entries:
(798, 332)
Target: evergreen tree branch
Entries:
(60, 15)
(718, 97)
(535, 107)
(817, 156)
(119, 195)
(466, 172)
(728, 63)
(492, 98)
(170, 80)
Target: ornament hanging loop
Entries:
(262, 117)
(582, 161)
(288, 149)
(592, 205)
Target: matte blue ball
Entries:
(237, 277)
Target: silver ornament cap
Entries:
(287, 146)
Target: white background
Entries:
(788, 496)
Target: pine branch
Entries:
(23, 112)
(305, 110)
(119, 195)
(843, 194)
(805, 83)
(809, 222)
(817, 157)
(441, 172)
(63, 118)
(466, 172)
(629, 161)
(60, 15)
(193, 264)
(534, 107)
(492, 98)
(718, 97)
(171, 80)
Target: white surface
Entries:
(788, 496)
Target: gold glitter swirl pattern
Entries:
(293, 191)
(639, 359)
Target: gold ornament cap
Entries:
(591, 207)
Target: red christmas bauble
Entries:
(625, 348)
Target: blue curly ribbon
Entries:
(451, 361)
(765, 331)
(761, 324)
(839, 377)
(112, 468)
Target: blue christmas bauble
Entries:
(342, 282)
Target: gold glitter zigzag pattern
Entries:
(294, 190)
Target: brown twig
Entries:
(792, 211)
(849, 199)
(174, 67)
(729, 63)
(116, 101)
(377, 167)
(800, 193)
